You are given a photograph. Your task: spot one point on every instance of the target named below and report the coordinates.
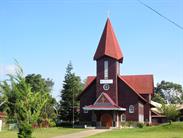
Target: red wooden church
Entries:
(110, 98)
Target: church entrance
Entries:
(106, 120)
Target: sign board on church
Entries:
(110, 81)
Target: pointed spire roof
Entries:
(108, 45)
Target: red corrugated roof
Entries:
(108, 44)
(108, 106)
(143, 84)
(89, 80)
(134, 90)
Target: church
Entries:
(110, 97)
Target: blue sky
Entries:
(44, 35)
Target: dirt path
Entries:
(83, 134)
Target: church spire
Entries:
(108, 45)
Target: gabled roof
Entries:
(143, 84)
(140, 84)
(108, 44)
(156, 104)
(106, 97)
(134, 90)
(155, 114)
(89, 81)
(104, 102)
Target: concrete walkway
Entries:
(83, 134)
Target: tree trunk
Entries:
(170, 122)
(25, 131)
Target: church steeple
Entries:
(108, 56)
(108, 45)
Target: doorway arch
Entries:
(106, 120)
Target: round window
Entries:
(106, 87)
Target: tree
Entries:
(26, 104)
(72, 86)
(158, 98)
(169, 91)
(38, 83)
(170, 111)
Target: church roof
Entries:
(89, 80)
(104, 102)
(109, 107)
(108, 44)
(106, 98)
(143, 84)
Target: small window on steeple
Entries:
(106, 69)
(118, 67)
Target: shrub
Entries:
(52, 123)
(140, 125)
(133, 124)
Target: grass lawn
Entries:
(163, 131)
(42, 132)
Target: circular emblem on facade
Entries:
(106, 87)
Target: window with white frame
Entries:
(131, 109)
(106, 64)
(123, 118)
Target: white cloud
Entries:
(7, 69)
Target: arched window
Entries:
(131, 109)
(123, 118)
(106, 69)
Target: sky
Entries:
(44, 35)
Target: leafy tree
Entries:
(158, 98)
(72, 86)
(169, 91)
(170, 111)
(11, 97)
(37, 83)
(27, 103)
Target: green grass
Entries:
(42, 132)
(163, 131)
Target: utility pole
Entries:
(73, 110)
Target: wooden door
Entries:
(106, 120)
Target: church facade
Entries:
(110, 98)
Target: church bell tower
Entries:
(108, 57)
